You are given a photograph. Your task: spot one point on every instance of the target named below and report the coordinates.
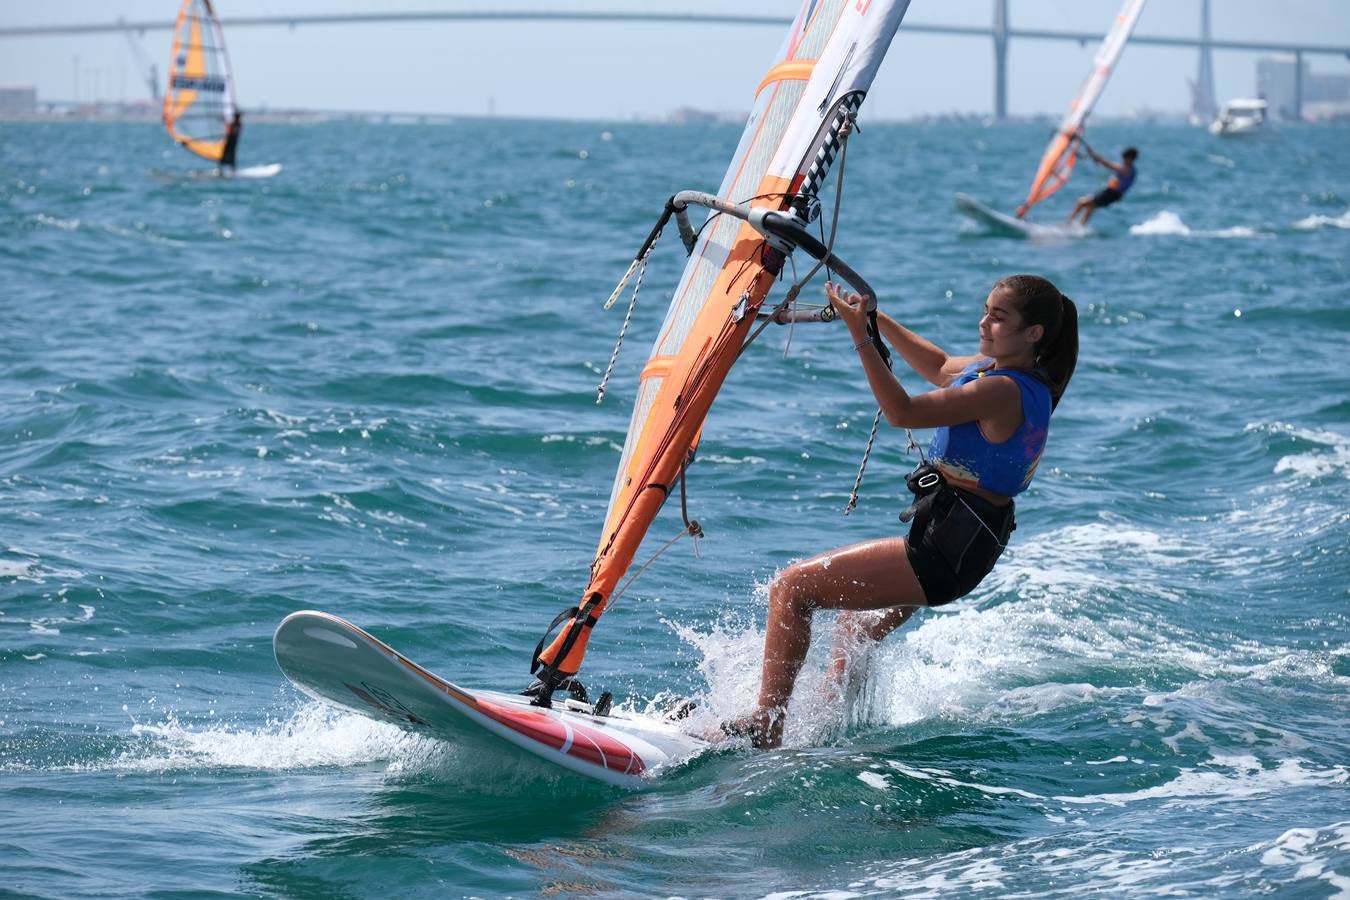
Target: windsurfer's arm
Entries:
(922, 355)
(1118, 168)
(983, 398)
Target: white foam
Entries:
(734, 461)
(729, 661)
(1224, 779)
(17, 569)
(63, 224)
(34, 571)
(1296, 844)
(874, 779)
(1309, 667)
(1314, 851)
(1168, 224)
(1314, 222)
(1316, 464)
(315, 735)
(1038, 699)
(1190, 732)
(393, 518)
(941, 776)
(1162, 223)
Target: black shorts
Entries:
(956, 542)
(1105, 197)
(227, 156)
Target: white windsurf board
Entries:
(263, 171)
(332, 660)
(1011, 225)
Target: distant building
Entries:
(1326, 97)
(1322, 96)
(1277, 84)
(18, 101)
(688, 115)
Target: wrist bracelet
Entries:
(865, 342)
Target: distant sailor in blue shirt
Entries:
(1122, 177)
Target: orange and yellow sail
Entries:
(199, 102)
(1062, 153)
(816, 83)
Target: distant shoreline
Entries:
(304, 117)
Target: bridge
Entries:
(1000, 32)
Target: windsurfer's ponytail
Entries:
(1042, 304)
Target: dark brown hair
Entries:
(1041, 303)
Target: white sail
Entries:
(815, 85)
(1062, 152)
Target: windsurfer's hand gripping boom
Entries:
(859, 313)
(852, 309)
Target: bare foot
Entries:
(764, 728)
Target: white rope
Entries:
(628, 317)
(634, 577)
(857, 482)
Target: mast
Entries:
(803, 110)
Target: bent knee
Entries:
(794, 591)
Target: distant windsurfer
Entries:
(1122, 176)
(992, 416)
(232, 130)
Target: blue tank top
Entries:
(1122, 183)
(967, 458)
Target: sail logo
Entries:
(212, 83)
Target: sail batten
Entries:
(820, 74)
(199, 102)
(1061, 154)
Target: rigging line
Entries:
(857, 482)
(829, 272)
(910, 444)
(631, 578)
(706, 222)
(745, 266)
(691, 528)
(782, 195)
(628, 317)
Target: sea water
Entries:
(367, 385)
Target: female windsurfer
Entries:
(991, 415)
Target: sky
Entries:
(621, 71)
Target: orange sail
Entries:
(199, 103)
(1058, 160)
(812, 90)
